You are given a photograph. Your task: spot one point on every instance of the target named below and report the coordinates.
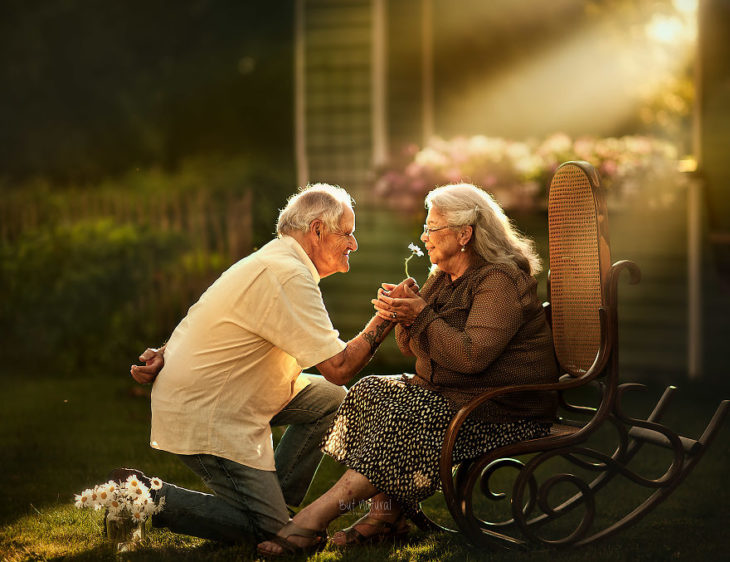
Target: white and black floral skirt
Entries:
(392, 432)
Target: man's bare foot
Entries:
(292, 539)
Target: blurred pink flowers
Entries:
(517, 173)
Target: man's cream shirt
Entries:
(234, 361)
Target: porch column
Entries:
(300, 101)
(379, 68)
(427, 70)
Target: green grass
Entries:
(59, 435)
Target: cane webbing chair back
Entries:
(579, 258)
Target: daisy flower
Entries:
(82, 499)
(138, 515)
(155, 483)
(143, 502)
(132, 482)
(415, 251)
(138, 492)
(115, 506)
(141, 494)
(146, 507)
(103, 495)
(93, 496)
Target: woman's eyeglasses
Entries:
(428, 230)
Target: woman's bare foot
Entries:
(373, 527)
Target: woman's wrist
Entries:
(422, 320)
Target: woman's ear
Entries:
(466, 235)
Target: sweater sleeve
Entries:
(494, 317)
(403, 339)
(403, 334)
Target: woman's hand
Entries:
(391, 290)
(400, 304)
(154, 361)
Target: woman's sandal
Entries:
(398, 529)
(288, 548)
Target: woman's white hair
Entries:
(318, 201)
(494, 237)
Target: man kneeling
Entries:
(231, 369)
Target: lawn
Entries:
(60, 435)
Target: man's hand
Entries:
(154, 360)
(340, 368)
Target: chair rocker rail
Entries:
(486, 532)
(684, 460)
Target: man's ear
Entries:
(315, 227)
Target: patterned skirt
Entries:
(392, 432)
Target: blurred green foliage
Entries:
(90, 276)
(70, 292)
(92, 89)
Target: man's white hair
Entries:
(318, 201)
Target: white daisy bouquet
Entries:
(130, 500)
(415, 251)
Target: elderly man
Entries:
(232, 370)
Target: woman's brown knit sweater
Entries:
(485, 329)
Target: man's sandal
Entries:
(288, 548)
(385, 531)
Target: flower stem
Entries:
(406, 264)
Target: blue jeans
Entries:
(251, 504)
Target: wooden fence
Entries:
(215, 223)
(214, 228)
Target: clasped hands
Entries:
(399, 303)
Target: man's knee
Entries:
(340, 392)
(335, 395)
(328, 395)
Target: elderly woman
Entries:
(476, 324)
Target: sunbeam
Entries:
(591, 82)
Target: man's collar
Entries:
(297, 247)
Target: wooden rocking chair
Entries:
(582, 290)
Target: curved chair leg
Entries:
(488, 534)
(425, 523)
(660, 495)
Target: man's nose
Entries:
(353, 243)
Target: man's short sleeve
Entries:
(296, 320)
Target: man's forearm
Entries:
(375, 333)
(366, 343)
(360, 349)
